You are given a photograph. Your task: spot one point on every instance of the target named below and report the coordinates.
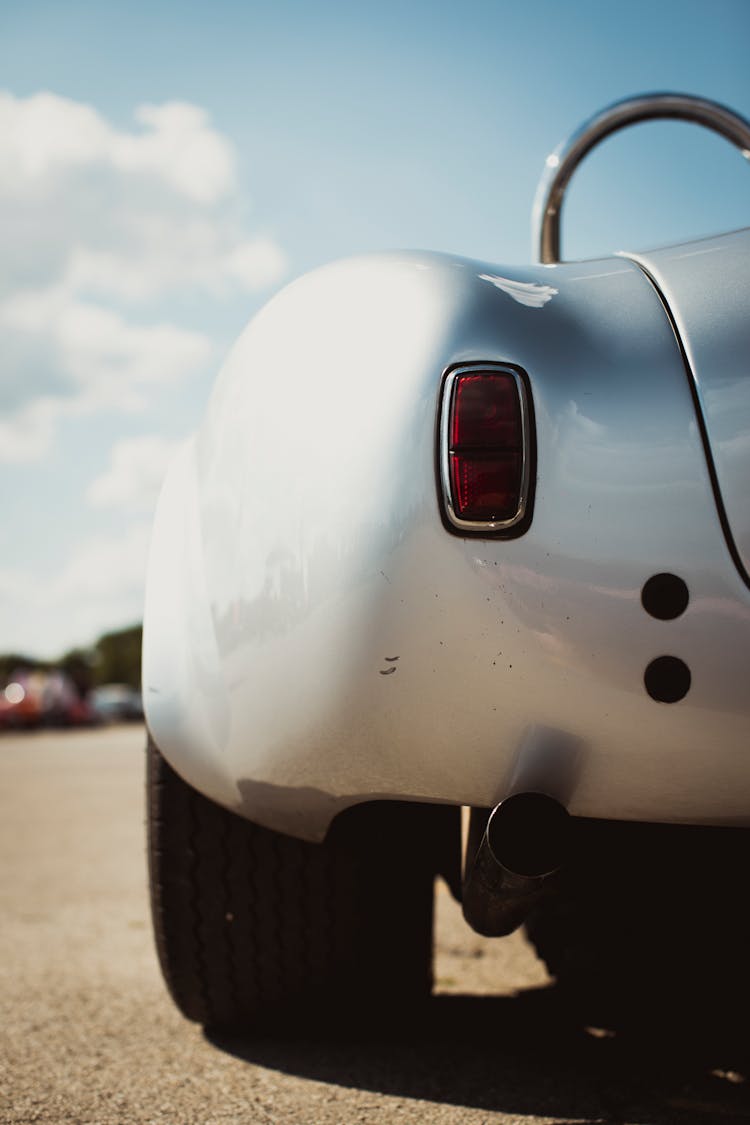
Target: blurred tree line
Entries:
(114, 659)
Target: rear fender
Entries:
(315, 637)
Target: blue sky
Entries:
(141, 241)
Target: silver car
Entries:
(455, 536)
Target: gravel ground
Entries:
(88, 1034)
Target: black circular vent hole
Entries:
(667, 679)
(665, 596)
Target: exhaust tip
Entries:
(528, 834)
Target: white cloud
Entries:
(97, 223)
(100, 354)
(183, 148)
(99, 587)
(170, 255)
(27, 434)
(107, 568)
(99, 360)
(133, 479)
(256, 264)
(46, 136)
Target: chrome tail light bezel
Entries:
(517, 523)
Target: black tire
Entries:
(646, 918)
(253, 926)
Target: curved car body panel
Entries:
(705, 286)
(314, 636)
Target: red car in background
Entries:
(37, 698)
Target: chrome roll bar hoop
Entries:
(562, 163)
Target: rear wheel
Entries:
(253, 926)
(648, 918)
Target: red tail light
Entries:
(484, 454)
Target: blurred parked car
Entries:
(116, 703)
(20, 704)
(37, 698)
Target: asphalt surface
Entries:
(89, 1035)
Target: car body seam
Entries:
(699, 414)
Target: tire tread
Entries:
(251, 925)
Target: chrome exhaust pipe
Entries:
(512, 856)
